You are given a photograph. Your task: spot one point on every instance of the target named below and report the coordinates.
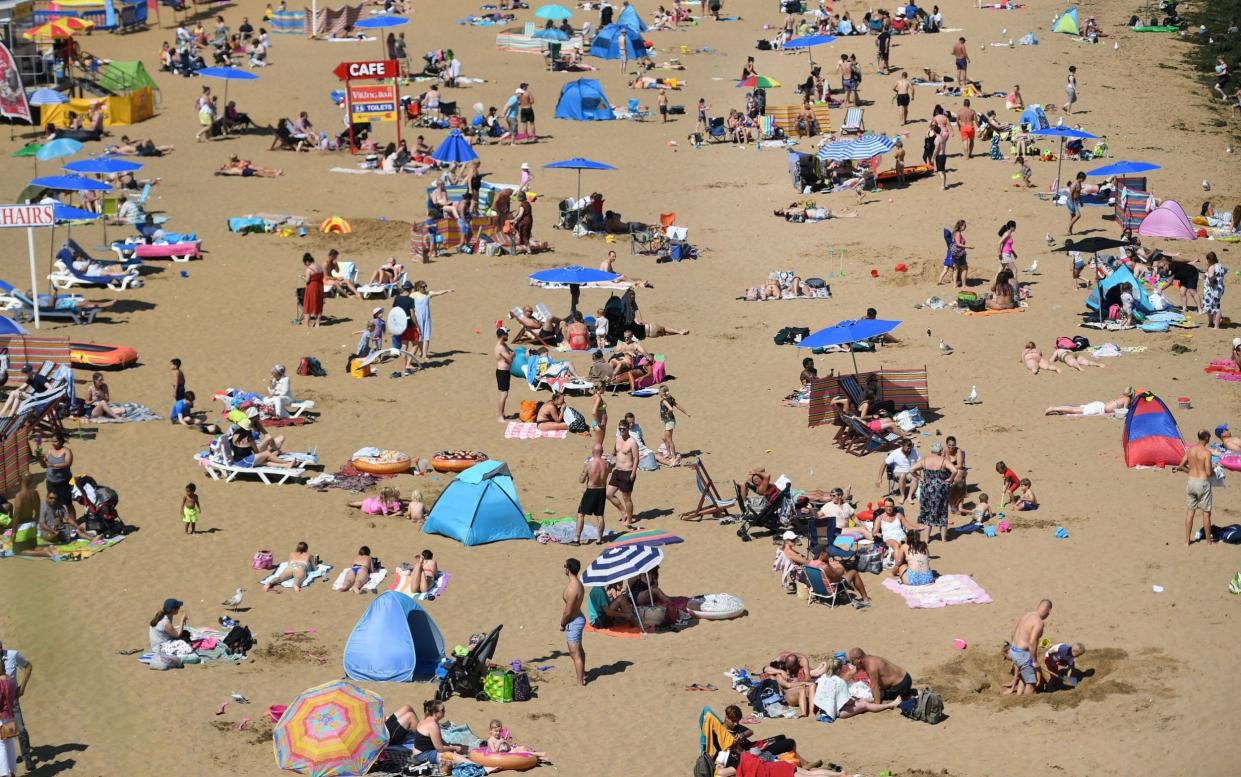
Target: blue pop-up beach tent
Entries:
(394, 642)
(480, 506)
(584, 100)
(629, 17)
(607, 44)
(1121, 274)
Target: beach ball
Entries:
(874, 273)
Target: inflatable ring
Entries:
(375, 466)
(1232, 461)
(99, 355)
(456, 461)
(517, 762)
(694, 607)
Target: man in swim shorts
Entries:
(594, 499)
(504, 361)
(572, 622)
(620, 484)
(967, 118)
(1020, 650)
(888, 682)
(904, 89)
(1197, 463)
(1073, 202)
(961, 57)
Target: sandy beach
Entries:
(1161, 692)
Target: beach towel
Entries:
(517, 430)
(78, 550)
(562, 530)
(993, 312)
(946, 590)
(371, 585)
(130, 412)
(830, 694)
(319, 572)
(621, 631)
(401, 582)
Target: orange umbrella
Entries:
(64, 27)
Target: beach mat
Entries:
(622, 632)
(73, 551)
(946, 590)
(130, 412)
(517, 430)
(980, 313)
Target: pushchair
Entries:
(464, 676)
(777, 516)
(100, 503)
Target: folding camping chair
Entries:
(709, 500)
(642, 240)
(819, 588)
(853, 123)
(866, 440)
(636, 111)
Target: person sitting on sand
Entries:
(1075, 360)
(797, 694)
(917, 569)
(246, 169)
(99, 397)
(982, 509)
(1002, 292)
(795, 666)
(887, 681)
(729, 764)
(1026, 500)
(550, 417)
(846, 694)
(1095, 408)
(297, 569)
(646, 592)
(359, 572)
(388, 502)
(743, 736)
(500, 741)
(416, 510)
(1034, 360)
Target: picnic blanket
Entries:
(130, 412)
(980, 313)
(516, 430)
(78, 550)
(946, 590)
(371, 585)
(215, 654)
(620, 630)
(319, 572)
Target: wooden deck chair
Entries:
(525, 334)
(854, 123)
(709, 500)
(869, 441)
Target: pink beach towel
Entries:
(519, 431)
(946, 590)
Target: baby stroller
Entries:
(100, 503)
(464, 676)
(777, 516)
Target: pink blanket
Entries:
(519, 431)
(946, 590)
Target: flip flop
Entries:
(244, 722)
(220, 711)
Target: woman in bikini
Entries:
(1033, 359)
(1002, 294)
(428, 572)
(551, 415)
(98, 397)
(1076, 361)
(297, 569)
(357, 575)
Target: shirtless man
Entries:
(624, 474)
(835, 572)
(594, 499)
(504, 361)
(1021, 649)
(1074, 200)
(1197, 463)
(525, 108)
(967, 118)
(572, 622)
(888, 682)
(1226, 438)
(848, 81)
(961, 56)
(904, 89)
(609, 265)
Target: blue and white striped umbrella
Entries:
(864, 147)
(616, 565)
(838, 151)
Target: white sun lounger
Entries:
(279, 476)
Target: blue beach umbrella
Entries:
(847, 332)
(1124, 168)
(10, 327)
(553, 12)
(1062, 133)
(573, 276)
(71, 183)
(227, 74)
(47, 97)
(381, 22)
(60, 147)
(579, 164)
(103, 165)
(809, 42)
(552, 34)
(66, 213)
(454, 150)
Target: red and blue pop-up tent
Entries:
(1151, 437)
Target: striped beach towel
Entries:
(517, 430)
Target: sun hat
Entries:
(789, 535)
(244, 424)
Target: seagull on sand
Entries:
(972, 397)
(1032, 269)
(944, 348)
(234, 601)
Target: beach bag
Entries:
(871, 560)
(522, 689)
(1066, 343)
(765, 693)
(928, 707)
(576, 421)
(498, 685)
(8, 729)
(529, 411)
(1231, 534)
(309, 365)
(263, 559)
(239, 640)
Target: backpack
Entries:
(791, 334)
(239, 640)
(704, 766)
(309, 365)
(522, 689)
(928, 707)
(1080, 342)
(762, 694)
(763, 45)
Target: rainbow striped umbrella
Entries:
(332, 729)
(646, 537)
